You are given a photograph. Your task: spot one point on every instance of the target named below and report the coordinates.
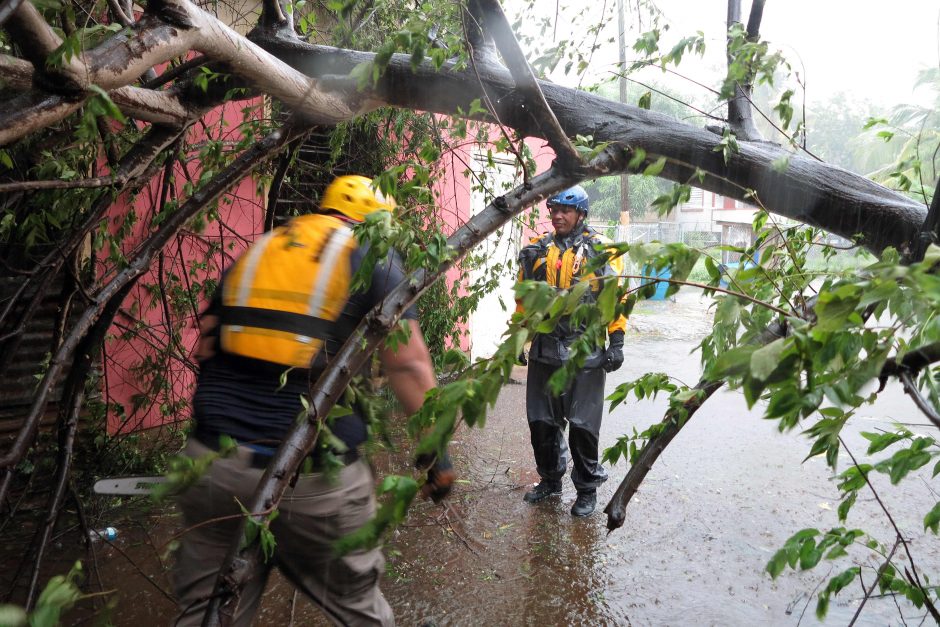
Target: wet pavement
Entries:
(722, 499)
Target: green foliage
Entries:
(727, 146)
(912, 161)
(587, 148)
(399, 492)
(822, 369)
(260, 531)
(752, 62)
(60, 595)
(815, 377)
(184, 471)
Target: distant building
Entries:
(706, 219)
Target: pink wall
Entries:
(137, 367)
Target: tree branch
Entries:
(930, 231)
(542, 115)
(274, 191)
(158, 107)
(922, 404)
(8, 8)
(754, 19)
(98, 181)
(815, 193)
(913, 361)
(482, 47)
(871, 588)
(68, 427)
(37, 40)
(740, 118)
(137, 166)
(913, 578)
(617, 507)
(169, 30)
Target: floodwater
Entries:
(722, 499)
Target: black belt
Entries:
(261, 459)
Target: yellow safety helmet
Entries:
(355, 197)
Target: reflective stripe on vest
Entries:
(334, 245)
(251, 266)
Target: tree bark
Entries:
(740, 116)
(815, 193)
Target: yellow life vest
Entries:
(282, 297)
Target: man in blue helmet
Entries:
(558, 259)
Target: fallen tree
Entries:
(327, 85)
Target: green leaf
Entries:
(733, 363)
(777, 563)
(809, 555)
(12, 616)
(107, 104)
(765, 360)
(644, 101)
(656, 167)
(607, 300)
(639, 156)
(881, 441)
(846, 505)
(833, 309)
(932, 519)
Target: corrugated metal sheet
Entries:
(18, 385)
(310, 175)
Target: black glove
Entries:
(441, 476)
(614, 352)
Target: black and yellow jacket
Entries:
(559, 262)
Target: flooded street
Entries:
(725, 495)
(723, 498)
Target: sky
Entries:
(869, 48)
(866, 49)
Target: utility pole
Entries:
(622, 46)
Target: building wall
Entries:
(706, 209)
(137, 363)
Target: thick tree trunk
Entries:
(809, 191)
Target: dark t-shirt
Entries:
(245, 399)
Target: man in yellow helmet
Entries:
(278, 315)
(558, 259)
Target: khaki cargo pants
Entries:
(313, 515)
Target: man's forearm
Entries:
(410, 382)
(409, 370)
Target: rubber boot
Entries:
(542, 491)
(549, 449)
(585, 503)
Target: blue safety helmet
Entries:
(573, 197)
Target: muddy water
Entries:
(724, 496)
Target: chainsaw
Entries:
(128, 486)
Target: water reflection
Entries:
(568, 579)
